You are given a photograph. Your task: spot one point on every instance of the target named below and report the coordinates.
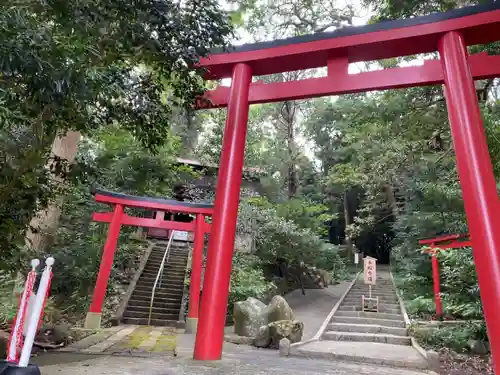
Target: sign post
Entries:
(370, 278)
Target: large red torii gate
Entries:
(448, 33)
(118, 217)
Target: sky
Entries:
(243, 37)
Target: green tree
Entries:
(84, 65)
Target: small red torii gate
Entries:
(449, 34)
(452, 241)
(118, 217)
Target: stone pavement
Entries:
(314, 307)
(249, 362)
(129, 339)
(132, 349)
(378, 337)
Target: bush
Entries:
(279, 239)
(455, 337)
(8, 300)
(459, 286)
(247, 280)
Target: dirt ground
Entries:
(460, 364)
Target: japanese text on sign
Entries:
(370, 271)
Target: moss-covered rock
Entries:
(278, 309)
(249, 316)
(289, 329)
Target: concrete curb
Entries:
(117, 318)
(431, 357)
(317, 336)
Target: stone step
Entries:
(374, 321)
(366, 314)
(138, 299)
(367, 337)
(384, 304)
(153, 265)
(357, 299)
(381, 308)
(382, 293)
(157, 308)
(169, 258)
(164, 277)
(153, 272)
(402, 356)
(161, 292)
(170, 315)
(165, 284)
(378, 294)
(367, 328)
(154, 322)
(174, 278)
(380, 288)
(173, 259)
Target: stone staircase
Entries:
(368, 337)
(168, 295)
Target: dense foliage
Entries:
(84, 65)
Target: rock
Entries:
(263, 339)
(289, 329)
(478, 347)
(249, 316)
(238, 340)
(326, 278)
(278, 309)
(284, 347)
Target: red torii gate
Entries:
(117, 218)
(448, 33)
(452, 241)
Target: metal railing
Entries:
(159, 276)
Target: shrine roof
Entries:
(479, 24)
(106, 196)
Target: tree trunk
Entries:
(391, 200)
(64, 147)
(348, 221)
(288, 114)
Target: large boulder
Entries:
(263, 339)
(278, 309)
(249, 316)
(285, 329)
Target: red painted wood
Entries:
(153, 205)
(479, 28)
(196, 268)
(437, 286)
(210, 334)
(437, 240)
(107, 259)
(476, 178)
(452, 241)
(106, 217)
(482, 66)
